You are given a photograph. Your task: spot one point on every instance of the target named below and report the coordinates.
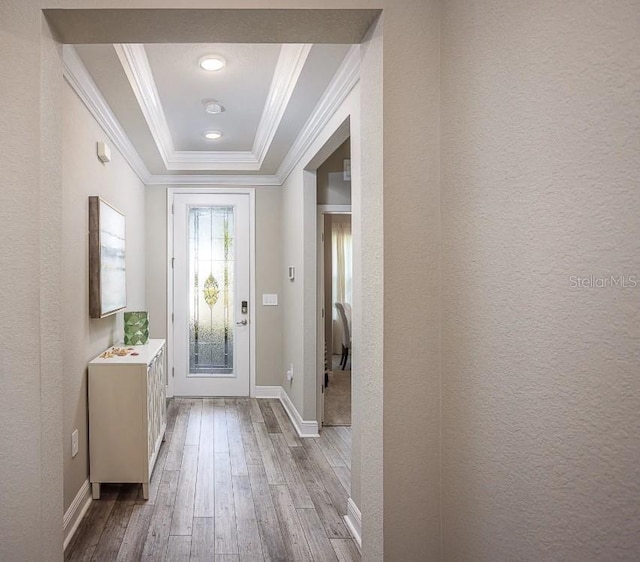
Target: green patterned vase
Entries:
(136, 328)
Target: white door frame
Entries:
(251, 192)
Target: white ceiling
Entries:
(156, 94)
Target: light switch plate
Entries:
(269, 300)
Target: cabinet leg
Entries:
(95, 490)
(145, 491)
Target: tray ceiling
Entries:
(156, 94)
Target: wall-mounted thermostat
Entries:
(292, 273)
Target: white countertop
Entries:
(136, 354)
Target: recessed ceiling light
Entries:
(211, 62)
(213, 107)
(212, 135)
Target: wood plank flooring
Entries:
(233, 482)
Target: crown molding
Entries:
(287, 73)
(218, 180)
(80, 80)
(136, 67)
(346, 77)
(135, 63)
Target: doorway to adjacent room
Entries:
(335, 264)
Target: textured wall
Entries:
(541, 395)
(367, 312)
(51, 305)
(84, 338)
(412, 282)
(268, 276)
(30, 350)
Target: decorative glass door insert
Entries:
(211, 285)
(211, 273)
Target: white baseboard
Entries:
(73, 516)
(304, 428)
(353, 520)
(268, 391)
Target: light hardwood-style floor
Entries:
(233, 483)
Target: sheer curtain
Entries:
(341, 255)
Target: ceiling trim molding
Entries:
(346, 77)
(291, 61)
(80, 80)
(219, 180)
(135, 63)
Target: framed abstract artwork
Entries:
(107, 272)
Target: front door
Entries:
(211, 294)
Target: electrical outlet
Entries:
(74, 443)
(290, 372)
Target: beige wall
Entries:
(269, 274)
(84, 338)
(541, 394)
(412, 283)
(30, 287)
(332, 188)
(293, 321)
(367, 464)
(156, 259)
(270, 277)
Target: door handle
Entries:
(242, 323)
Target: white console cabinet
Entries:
(127, 415)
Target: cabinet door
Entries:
(151, 411)
(163, 388)
(156, 400)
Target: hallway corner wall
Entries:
(412, 281)
(83, 337)
(367, 381)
